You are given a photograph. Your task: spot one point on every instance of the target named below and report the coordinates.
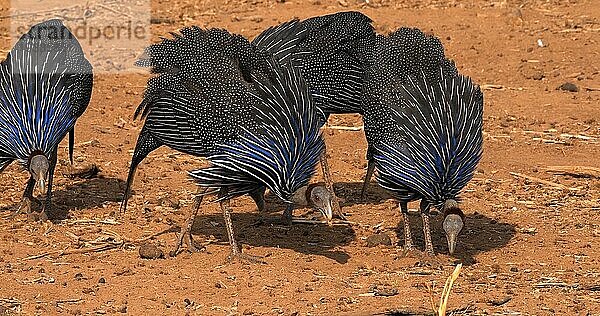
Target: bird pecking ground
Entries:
(532, 241)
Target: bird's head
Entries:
(453, 223)
(321, 199)
(38, 168)
(316, 196)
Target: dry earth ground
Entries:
(530, 248)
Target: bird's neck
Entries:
(302, 196)
(34, 153)
(451, 207)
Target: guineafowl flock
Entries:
(255, 110)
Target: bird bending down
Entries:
(330, 55)
(437, 147)
(218, 96)
(394, 58)
(45, 85)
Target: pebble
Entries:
(568, 86)
(379, 239)
(150, 251)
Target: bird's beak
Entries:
(327, 212)
(42, 185)
(451, 237)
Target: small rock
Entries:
(568, 86)
(169, 202)
(379, 239)
(79, 276)
(102, 280)
(499, 302)
(538, 75)
(122, 309)
(150, 251)
(88, 290)
(256, 18)
(248, 311)
(514, 269)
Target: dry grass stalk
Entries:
(446, 292)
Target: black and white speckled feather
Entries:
(200, 97)
(331, 57)
(395, 58)
(439, 143)
(213, 95)
(282, 153)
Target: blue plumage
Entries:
(282, 152)
(441, 141)
(35, 112)
(218, 96)
(45, 85)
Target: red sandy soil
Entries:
(531, 244)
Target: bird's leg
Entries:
(424, 206)
(185, 235)
(236, 252)
(45, 213)
(71, 145)
(146, 143)
(27, 198)
(329, 185)
(258, 196)
(370, 169)
(408, 244)
(287, 214)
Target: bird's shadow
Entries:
(80, 194)
(480, 233)
(266, 230)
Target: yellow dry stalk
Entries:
(446, 292)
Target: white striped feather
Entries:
(283, 152)
(281, 40)
(442, 128)
(34, 102)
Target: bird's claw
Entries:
(32, 215)
(430, 260)
(238, 255)
(190, 245)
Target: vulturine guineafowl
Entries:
(423, 123)
(394, 58)
(331, 59)
(218, 96)
(45, 85)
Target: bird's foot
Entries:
(37, 216)
(190, 245)
(238, 255)
(342, 216)
(410, 251)
(32, 215)
(430, 260)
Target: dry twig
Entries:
(580, 171)
(542, 181)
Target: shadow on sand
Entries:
(480, 233)
(261, 230)
(81, 194)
